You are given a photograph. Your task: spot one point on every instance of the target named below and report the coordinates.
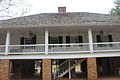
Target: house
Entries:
(60, 46)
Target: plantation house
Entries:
(60, 46)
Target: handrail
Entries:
(69, 44)
(107, 43)
(61, 64)
(2, 45)
(29, 45)
(57, 68)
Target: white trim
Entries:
(90, 38)
(60, 56)
(7, 43)
(59, 25)
(69, 69)
(46, 41)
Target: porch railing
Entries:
(26, 49)
(61, 48)
(68, 48)
(106, 46)
(2, 49)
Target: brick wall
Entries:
(46, 69)
(4, 70)
(91, 68)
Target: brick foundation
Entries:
(4, 70)
(91, 69)
(46, 69)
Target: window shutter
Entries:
(80, 40)
(34, 39)
(60, 39)
(110, 38)
(98, 38)
(67, 39)
(49, 38)
(22, 41)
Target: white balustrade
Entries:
(61, 48)
(2, 49)
(106, 46)
(68, 48)
(26, 49)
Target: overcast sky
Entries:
(51, 6)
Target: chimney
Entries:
(61, 9)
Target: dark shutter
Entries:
(49, 38)
(98, 38)
(67, 39)
(80, 40)
(34, 39)
(110, 38)
(60, 39)
(22, 41)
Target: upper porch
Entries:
(60, 42)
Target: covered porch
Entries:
(60, 40)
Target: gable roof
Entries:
(61, 18)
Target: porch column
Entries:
(46, 69)
(90, 38)
(69, 69)
(4, 70)
(92, 69)
(46, 41)
(7, 42)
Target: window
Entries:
(74, 39)
(102, 38)
(29, 40)
(56, 40)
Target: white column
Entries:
(69, 70)
(46, 41)
(7, 43)
(90, 38)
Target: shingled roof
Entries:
(61, 18)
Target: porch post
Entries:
(92, 69)
(46, 41)
(90, 40)
(69, 70)
(7, 43)
(5, 69)
(46, 69)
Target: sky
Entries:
(51, 6)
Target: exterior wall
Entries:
(4, 70)
(2, 39)
(83, 34)
(15, 39)
(115, 36)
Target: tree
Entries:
(13, 8)
(116, 10)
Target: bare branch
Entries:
(13, 8)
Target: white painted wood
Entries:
(69, 69)
(46, 41)
(7, 43)
(27, 49)
(90, 38)
(59, 56)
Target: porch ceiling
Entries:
(62, 29)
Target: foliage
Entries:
(116, 10)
